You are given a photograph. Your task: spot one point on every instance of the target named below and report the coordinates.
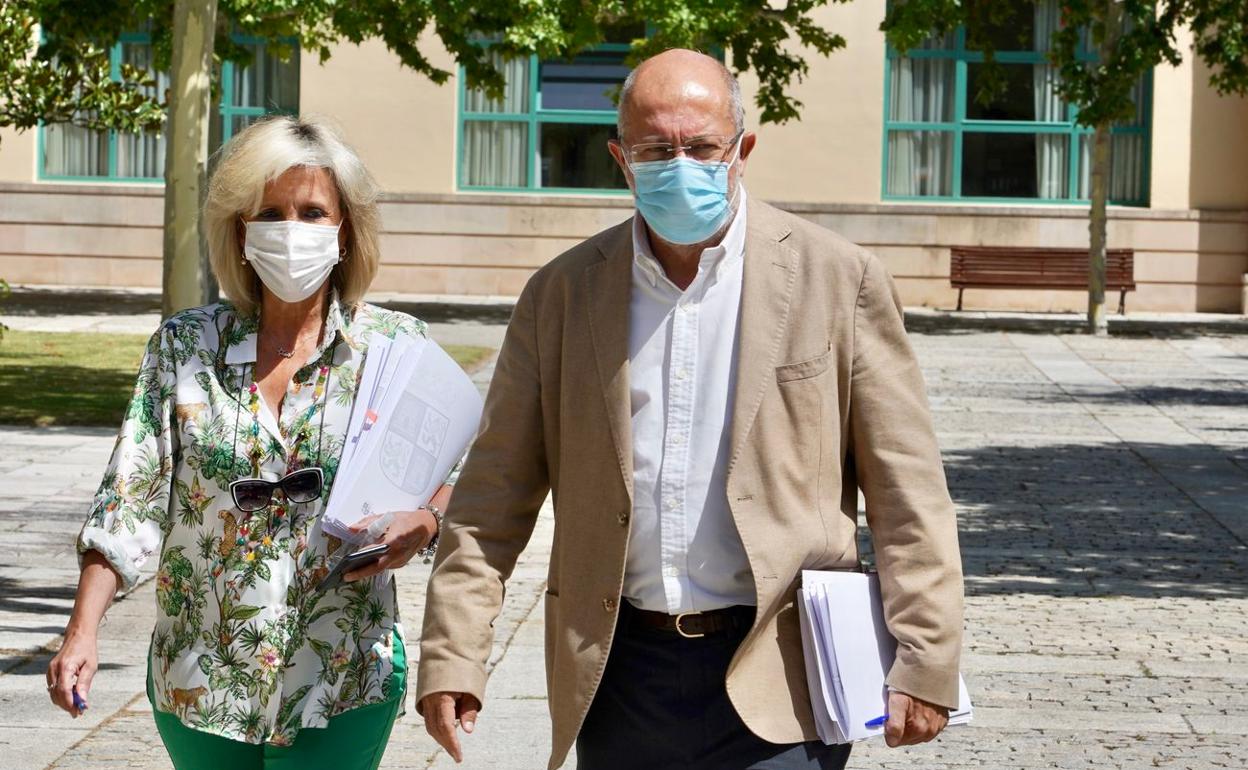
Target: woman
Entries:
(250, 665)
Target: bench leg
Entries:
(1122, 302)
(960, 300)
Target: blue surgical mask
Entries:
(682, 200)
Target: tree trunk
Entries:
(186, 155)
(1101, 164)
(1097, 230)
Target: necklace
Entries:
(283, 351)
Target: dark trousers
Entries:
(662, 705)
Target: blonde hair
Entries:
(261, 153)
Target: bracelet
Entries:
(431, 547)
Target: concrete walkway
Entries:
(1102, 490)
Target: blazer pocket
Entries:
(804, 370)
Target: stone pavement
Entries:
(1102, 491)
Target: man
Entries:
(704, 388)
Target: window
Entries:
(266, 85)
(550, 129)
(941, 143)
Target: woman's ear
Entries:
(344, 237)
(240, 230)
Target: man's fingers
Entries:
(916, 726)
(468, 708)
(898, 712)
(444, 727)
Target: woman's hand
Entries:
(407, 535)
(73, 667)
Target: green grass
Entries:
(86, 378)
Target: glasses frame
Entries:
(679, 149)
(279, 484)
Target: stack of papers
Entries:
(415, 413)
(848, 652)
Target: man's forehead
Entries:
(658, 118)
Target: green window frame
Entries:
(229, 113)
(959, 126)
(534, 116)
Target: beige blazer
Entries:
(829, 397)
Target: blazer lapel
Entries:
(767, 288)
(608, 285)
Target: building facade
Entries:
(894, 153)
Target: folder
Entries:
(849, 651)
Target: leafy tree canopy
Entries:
(64, 75)
(1141, 34)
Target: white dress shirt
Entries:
(684, 553)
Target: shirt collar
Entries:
(244, 352)
(730, 248)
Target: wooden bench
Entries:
(1006, 267)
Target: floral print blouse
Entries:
(244, 647)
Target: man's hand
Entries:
(443, 710)
(912, 721)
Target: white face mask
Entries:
(292, 258)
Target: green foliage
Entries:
(67, 78)
(1133, 36)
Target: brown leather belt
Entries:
(691, 625)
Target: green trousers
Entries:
(353, 740)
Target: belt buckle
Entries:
(682, 631)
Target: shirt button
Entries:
(672, 572)
(608, 605)
(622, 518)
(671, 503)
(682, 374)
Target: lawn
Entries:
(85, 378)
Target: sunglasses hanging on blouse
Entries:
(302, 486)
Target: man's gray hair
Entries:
(734, 99)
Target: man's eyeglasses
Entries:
(704, 149)
(302, 486)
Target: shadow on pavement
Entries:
(1098, 520)
(1208, 392)
(953, 323)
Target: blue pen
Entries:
(878, 721)
(79, 703)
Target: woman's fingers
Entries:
(86, 673)
(64, 675)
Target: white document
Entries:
(849, 652)
(415, 414)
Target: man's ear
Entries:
(617, 151)
(747, 147)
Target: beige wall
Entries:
(834, 154)
(491, 244)
(1218, 157)
(402, 124)
(17, 155)
(1199, 140)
